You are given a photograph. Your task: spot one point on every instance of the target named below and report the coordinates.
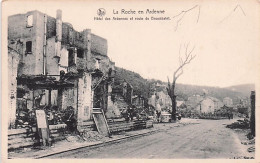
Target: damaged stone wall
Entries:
(113, 110)
(51, 27)
(13, 61)
(33, 63)
(92, 47)
(52, 63)
(63, 64)
(84, 99)
(39, 36)
(68, 98)
(18, 35)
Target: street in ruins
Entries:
(170, 91)
(188, 139)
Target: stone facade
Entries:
(13, 61)
(47, 46)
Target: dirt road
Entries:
(201, 139)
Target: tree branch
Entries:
(182, 14)
(188, 58)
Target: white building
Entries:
(206, 106)
(228, 101)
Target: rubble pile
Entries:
(92, 136)
(73, 138)
(243, 157)
(240, 124)
(250, 136)
(251, 149)
(249, 142)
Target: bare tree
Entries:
(184, 60)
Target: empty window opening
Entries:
(80, 53)
(29, 20)
(71, 57)
(28, 47)
(97, 66)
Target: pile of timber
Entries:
(131, 125)
(27, 137)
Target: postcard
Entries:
(145, 80)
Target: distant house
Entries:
(193, 101)
(163, 99)
(206, 105)
(152, 100)
(217, 103)
(202, 104)
(228, 101)
(227, 109)
(179, 103)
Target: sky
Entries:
(225, 36)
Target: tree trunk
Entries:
(174, 108)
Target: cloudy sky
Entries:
(225, 36)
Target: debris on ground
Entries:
(251, 149)
(250, 136)
(244, 143)
(122, 133)
(92, 136)
(241, 124)
(72, 138)
(27, 149)
(243, 157)
(252, 141)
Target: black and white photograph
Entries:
(152, 80)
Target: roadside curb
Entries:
(98, 144)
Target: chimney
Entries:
(58, 32)
(59, 25)
(87, 48)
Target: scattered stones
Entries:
(251, 141)
(72, 138)
(251, 149)
(122, 133)
(243, 157)
(241, 124)
(92, 136)
(27, 149)
(244, 143)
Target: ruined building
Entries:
(51, 64)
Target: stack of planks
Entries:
(25, 137)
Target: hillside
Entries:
(142, 86)
(245, 89)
